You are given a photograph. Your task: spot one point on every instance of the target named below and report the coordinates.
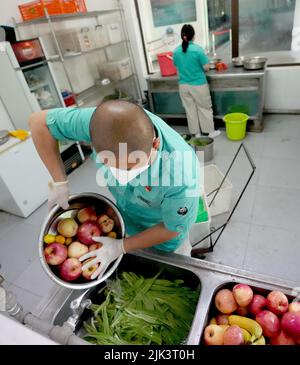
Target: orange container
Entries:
(36, 9)
(166, 64)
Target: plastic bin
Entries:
(77, 40)
(114, 33)
(100, 35)
(115, 71)
(166, 64)
(213, 178)
(36, 9)
(201, 228)
(236, 124)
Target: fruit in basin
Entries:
(277, 302)
(49, 238)
(290, 324)
(294, 307)
(269, 322)
(70, 269)
(233, 336)
(225, 301)
(87, 231)
(60, 239)
(105, 223)
(112, 235)
(95, 246)
(243, 294)
(67, 227)
(214, 335)
(247, 324)
(55, 253)
(87, 214)
(242, 311)
(222, 319)
(87, 273)
(257, 304)
(282, 339)
(77, 249)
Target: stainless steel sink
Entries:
(210, 276)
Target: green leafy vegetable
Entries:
(142, 311)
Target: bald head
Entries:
(116, 122)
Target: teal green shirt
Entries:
(172, 195)
(190, 64)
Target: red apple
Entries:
(55, 253)
(77, 249)
(225, 301)
(233, 336)
(277, 302)
(222, 319)
(242, 311)
(105, 223)
(95, 246)
(290, 324)
(70, 270)
(294, 307)
(67, 227)
(214, 335)
(87, 231)
(243, 294)
(257, 304)
(282, 339)
(87, 214)
(87, 273)
(269, 323)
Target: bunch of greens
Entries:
(142, 311)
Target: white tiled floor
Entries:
(263, 236)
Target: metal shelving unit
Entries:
(95, 91)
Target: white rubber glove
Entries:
(111, 250)
(58, 194)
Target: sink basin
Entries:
(130, 263)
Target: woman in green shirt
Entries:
(192, 63)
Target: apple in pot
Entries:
(269, 322)
(214, 335)
(233, 336)
(87, 214)
(282, 339)
(70, 269)
(55, 253)
(277, 302)
(77, 249)
(105, 223)
(67, 227)
(243, 294)
(225, 301)
(242, 311)
(290, 324)
(257, 304)
(87, 231)
(87, 273)
(294, 307)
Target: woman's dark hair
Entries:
(187, 34)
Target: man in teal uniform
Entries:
(155, 180)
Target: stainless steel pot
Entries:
(76, 202)
(4, 136)
(238, 61)
(255, 63)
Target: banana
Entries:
(260, 341)
(247, 324)
(246, 335)
(213, 321)
(224, 326)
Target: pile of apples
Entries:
(243, 317)
(75, 239)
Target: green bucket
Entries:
(236, 124)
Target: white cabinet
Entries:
(23, 179)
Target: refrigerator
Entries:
(27, 81)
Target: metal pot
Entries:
(76, 202)
(4, 136)
(238, 61)
(255, 63)
(204, 144)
